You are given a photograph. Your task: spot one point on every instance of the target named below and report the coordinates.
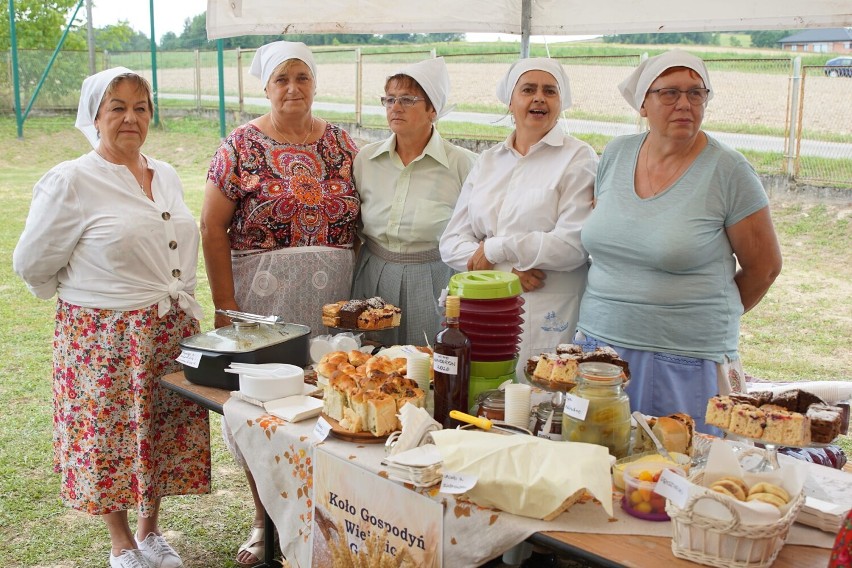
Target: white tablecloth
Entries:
(279, 455)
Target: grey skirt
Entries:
(414, 287)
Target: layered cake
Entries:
(825, 423)
(366, 395)
(747, 420)
(789, 418)
(559, 370)
(370, 314)
(718, 411)
(785, 427)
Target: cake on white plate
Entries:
(365, 394)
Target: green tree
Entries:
(39, 24)
(691, 38)
(768, 38)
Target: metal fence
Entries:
(785, 120)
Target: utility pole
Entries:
(90, 35)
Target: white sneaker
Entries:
(128, 559)
(158, 553)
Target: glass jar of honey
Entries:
(490, 404)
(597, 410)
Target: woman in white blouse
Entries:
(409, 184)
(109, 233)
(522, 206)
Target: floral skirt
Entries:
(121, 440)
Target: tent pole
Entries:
(526, 24)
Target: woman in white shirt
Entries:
(522, 206)
(409, 184)
(109, 233)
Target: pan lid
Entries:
(244, 337)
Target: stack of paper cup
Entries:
(517, 411)
(418, 365)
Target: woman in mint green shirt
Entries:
(682, 244)
(409, 185)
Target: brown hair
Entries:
(286, 64)
(408, 82)
(138, 80)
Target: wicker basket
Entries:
(727, 543)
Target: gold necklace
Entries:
(308, 135)
(648, 175)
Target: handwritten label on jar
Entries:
(445, 364)
(576, 406)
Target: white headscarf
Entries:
(521, 66)
(269, 56)
(433, 78)
(91, 95)
(636, 86)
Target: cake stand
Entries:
(769, 458)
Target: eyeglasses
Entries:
(405, 101)
(671, 96)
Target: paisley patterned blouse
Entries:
(288, 195)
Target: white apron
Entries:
(550, 313)
(292, 283)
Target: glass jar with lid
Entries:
(597, 410)
(542, 414)
(490, 404)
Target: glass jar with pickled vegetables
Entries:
(597, 410)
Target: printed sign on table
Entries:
(357, 512)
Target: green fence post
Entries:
(16, 79)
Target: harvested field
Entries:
(741, 98)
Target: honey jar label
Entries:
(446, 364)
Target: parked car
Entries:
(839, 67)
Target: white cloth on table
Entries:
(83, 213)
(273, 450)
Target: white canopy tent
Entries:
(228, 18)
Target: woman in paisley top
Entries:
(280, 207)
(279, 215)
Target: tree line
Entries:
(40, 23)
(759, 38)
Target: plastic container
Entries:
(640, 500)
(645, 457)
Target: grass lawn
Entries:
(801, 331)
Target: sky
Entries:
(170, 15)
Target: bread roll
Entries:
(768, 498)
(729, 488)
(772, 489)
